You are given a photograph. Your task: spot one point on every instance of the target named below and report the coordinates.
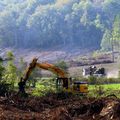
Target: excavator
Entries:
(62, 79)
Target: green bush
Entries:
(92, 80)
(4, 88)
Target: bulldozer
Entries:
(62, 81)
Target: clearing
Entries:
(53, 107)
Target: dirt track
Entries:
(54, 108)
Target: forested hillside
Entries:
(49, 23)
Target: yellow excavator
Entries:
(61, 80)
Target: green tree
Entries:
(10, 55)
(10, 74)
(116, 31)
(98, 23)
(106, 43)
(111, 7)
(62, 64)
(48, 23)
(21, 67)
(36, 73)
(2, 69)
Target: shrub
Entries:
(4, 88)
(92, 80)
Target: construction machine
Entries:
(62, 79)
(94, 71)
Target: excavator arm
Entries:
(52, 68)
(46, 66)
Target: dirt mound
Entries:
(53, 108)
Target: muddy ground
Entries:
(57, 107)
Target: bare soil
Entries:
(54, 107)
(45, 55)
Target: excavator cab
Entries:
(62, 83)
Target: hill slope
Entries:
(49, 23)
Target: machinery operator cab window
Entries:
(64, 82)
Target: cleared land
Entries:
(53, 107)
(99, 104)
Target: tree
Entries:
(106, 43)
(7, 28)
(10, 74)
(116, 31)
(2, 69)
(21, 67)
(98, 23)
(62, 64)
(36, 73)
(111, 7)
(10, 55)
(49, 23)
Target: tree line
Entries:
(48, 23)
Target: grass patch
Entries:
(44, 87)
(107, 86)
(104, 90)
